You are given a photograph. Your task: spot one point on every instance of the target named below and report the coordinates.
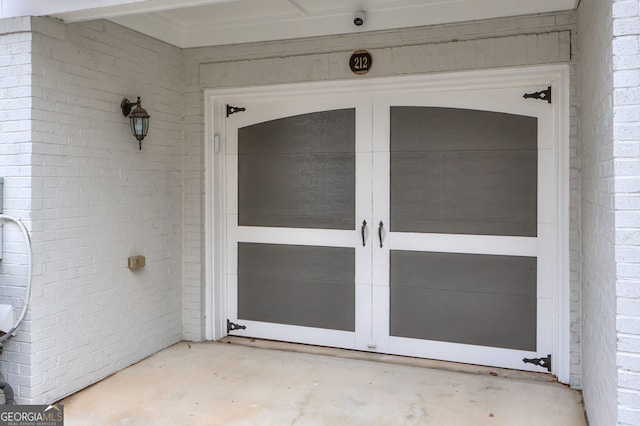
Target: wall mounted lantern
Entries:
(139, 118)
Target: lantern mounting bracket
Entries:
(127, 106)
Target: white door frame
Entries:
(556, 76)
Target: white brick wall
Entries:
(626, 135)
(597, 215)
(15, 167)
(549, 41)
(95, 200)
(610, 128)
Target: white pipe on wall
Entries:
(25, 305)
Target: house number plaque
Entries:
(360, 62)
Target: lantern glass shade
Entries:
(139, 127)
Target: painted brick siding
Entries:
(98, 199)
(15, 167)
(213, 67)
(626, 134)
(597, 211)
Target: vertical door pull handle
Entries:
(364, 226)
(380, 226)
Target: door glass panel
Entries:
(459, 171)
(298, 172)
(297, 285)
(473, 299)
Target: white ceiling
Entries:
(192, 23)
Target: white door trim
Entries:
(215, 185)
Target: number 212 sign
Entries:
(360, 62)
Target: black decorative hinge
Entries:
(231, 326)
(540, 362)
(544, 95)
(233, 110)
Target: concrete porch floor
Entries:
(243, 382)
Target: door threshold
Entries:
(389, 359)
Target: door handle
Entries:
(380, 227)
(364, 226)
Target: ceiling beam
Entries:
(86, 10)
(12, 8)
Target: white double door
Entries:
(407, 223)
